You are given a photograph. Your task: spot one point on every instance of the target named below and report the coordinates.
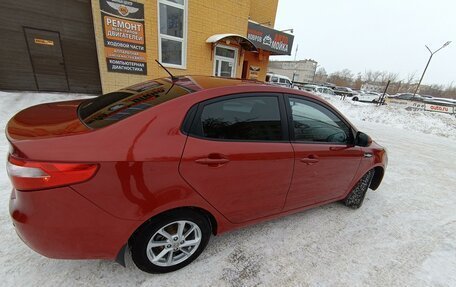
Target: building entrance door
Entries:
(225, 61)
(47, 59)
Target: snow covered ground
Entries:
(404, 235)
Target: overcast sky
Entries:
(385, 35)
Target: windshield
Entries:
(113, 107)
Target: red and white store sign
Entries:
(439, 108)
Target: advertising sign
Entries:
(253, 72)
(124, 36)
(408, 105)
(439, 108)
(278, 43)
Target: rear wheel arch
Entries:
(211, 219)
(377, 178)
(170, 240)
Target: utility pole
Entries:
(430, 58)
(294, 61)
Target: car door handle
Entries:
(212, 161)
(311, 159)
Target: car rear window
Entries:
(114, 107)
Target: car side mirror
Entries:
(362, 139)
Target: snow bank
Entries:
(395, 116)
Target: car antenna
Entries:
(173, 78)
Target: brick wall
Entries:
(205, 18)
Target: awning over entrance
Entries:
(268, 39)
(245, 43)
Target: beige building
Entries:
(303, 70)
(188, 37)
(98, 46)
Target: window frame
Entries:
(183, 40)
(195, 112)
(351, 138)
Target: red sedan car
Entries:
(160, 166)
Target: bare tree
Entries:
(358, 83)
(371, 76)
(320, 75)
(434, 90)
(341, 78)
(450, 91)
(409, 81)
(379, 80)
(388, 76)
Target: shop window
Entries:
(172, 22)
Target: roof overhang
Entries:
(245, 43)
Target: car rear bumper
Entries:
(60, 223)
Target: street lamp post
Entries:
(430, 58)
(295, 64)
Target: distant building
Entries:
(303, 70)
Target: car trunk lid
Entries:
(45, 121)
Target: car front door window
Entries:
(315, 123)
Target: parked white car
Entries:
(364, 96)
(321, 91)
(279, 80)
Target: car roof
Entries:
(188, 85)
(196, 83)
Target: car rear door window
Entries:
(249, 118)
(313, 122)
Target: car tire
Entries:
(355, 198)
(355, 99)
(170, 241)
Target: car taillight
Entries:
(34, 175)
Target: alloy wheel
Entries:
(174, 243)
